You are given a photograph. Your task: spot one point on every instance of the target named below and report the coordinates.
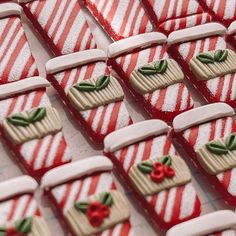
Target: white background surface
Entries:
(82, 147)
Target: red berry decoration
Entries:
(157, 175)
(95, 218)
(93, 207)
(158, 166)
(169, 172)
(105, 210)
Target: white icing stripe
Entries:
(75, 170)
(21, 86)
(232, 28)
(200, 115)
(134, 133)
(70, 61)
(16, 186)
(131, 43)
(216, 221)
(9, 9)
(196, 32)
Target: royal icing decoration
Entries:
(218, 155)
(95, 92)
(213, 64)
(32, 124)
(98, 213)
(156, 75)
(153, 176)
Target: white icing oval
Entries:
(10, 9)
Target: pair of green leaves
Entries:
(105, 198)
(24, 120)
(146, 167)
(222, 148)
(101, 83)
(158, 67)
(22, 226)
(219, 56)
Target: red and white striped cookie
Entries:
(146, 141)
(120, 19)
(223, 11)
(61, 23)
(16, 59)
(188, 43)
(69, 70)
(195, 128)
(129, 54)
(219, 223)
(232, 34)
(17, 204)
(76, 182)
(173, 15)
(36, 155)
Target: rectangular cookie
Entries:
(16, 59)
(19, 210)
(148, 164)
(90, 92)
(26, 119)
(85, 196)
(208, 44)
(176, 14)
(207, 134)
(61, 24)
(155, 79)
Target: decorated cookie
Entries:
(31, 127)
(216, 223)
(90, 92)
(232, 34)
(208, 134)
(222, 11)
(147, 162)
(16, 59)
(19, 211)
(176, 14)
(86, 198)
(120, 19)
(151, 75)
(61, 24)
(208, 63)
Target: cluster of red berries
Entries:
(161, 171)
(96, 212)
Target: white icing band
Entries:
(196, 32)
(17, 186)
(73, 60)
(75, 170)
(138, 41)
(134, 133)
(9, 9)
(205, 225)
(200, 115)
(232, 28)
(20, 86)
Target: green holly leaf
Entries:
(85, 86)
(106, 199)
(220, 55)
(167, 161)
(18, 120)
(145, 167)
(24, 226)
(147, 70)
(37, 114)
(81, 206)
(205, 58)
(230, 142)
(161, 66)
(217, 148)
(102, 82)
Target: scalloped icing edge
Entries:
(201, 115)
(21, 86)
(133, 134)
(16, 186)
(131, 43)
(232, 28)
(196, 32)
(73, 60)
(10, 9)
(216, 221)
(75, 170)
